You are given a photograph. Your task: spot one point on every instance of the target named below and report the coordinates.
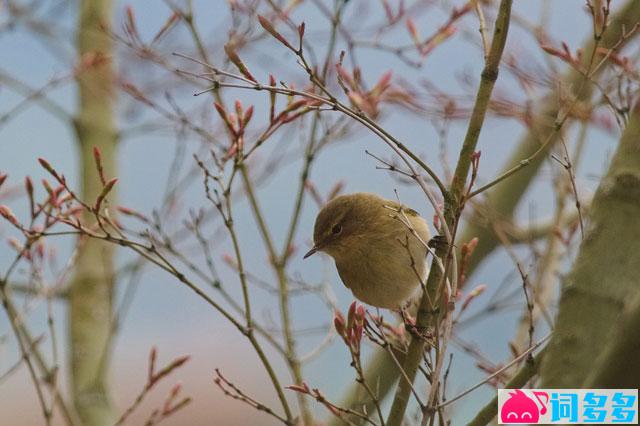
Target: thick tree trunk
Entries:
(618, 366)
(91, 291)
(605, 276)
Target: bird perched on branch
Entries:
(379, 247)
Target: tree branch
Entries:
(454, 202)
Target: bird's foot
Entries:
(425, 334)
(438, 242)
(422, 333)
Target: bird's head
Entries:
(342, 223)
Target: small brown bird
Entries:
(378, 257)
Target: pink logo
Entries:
(519, 408)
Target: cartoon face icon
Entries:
(519, 408)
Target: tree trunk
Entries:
(92, 287)
(605, 275)
(618, 366)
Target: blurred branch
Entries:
(26, 289)
(91, 291)
(26, 349)
(188, 18)
(525, 234)
(39, 96)
(22, 333)
(16, 366)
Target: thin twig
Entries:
(497, 372)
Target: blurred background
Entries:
(37, 41)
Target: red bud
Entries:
(304, 388)
(351, 314)
(264, 22)
(247, 116)
(338, 322)
(413, 31)
(105, 191)
(97, 155)
(233, 57)
(8, 214)
(153, 354)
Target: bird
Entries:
(378, 245)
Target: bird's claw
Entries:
(423, 333)
(438, 242)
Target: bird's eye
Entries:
(337, 229)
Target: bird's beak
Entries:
(310, 252)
